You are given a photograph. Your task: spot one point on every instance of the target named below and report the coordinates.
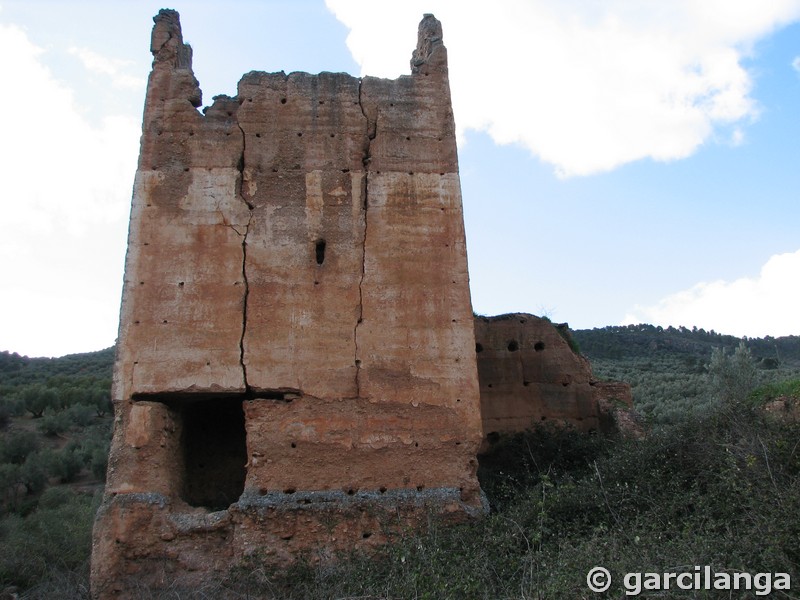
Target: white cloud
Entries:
(755, 307)
(737, 137)
(114, 68)
(64, 199)
(796, 64)
(585, 86)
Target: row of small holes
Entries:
(513, 346)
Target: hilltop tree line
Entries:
(649, 341)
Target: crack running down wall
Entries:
(295, 368)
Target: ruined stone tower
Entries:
(295, 369)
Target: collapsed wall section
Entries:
(531, 374)
(295, 370)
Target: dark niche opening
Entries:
(214, 452)
(513, 346)
(538, 346)
(478, 348)
(319, 251)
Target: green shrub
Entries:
(81, 415)
(54, 497)
(6, 412)
(54, 424)
(34, 471)
(65, 464)
(789, 388)
(47, 541)
(732, 377)
(16, 447)
(101, 399)
(37, 398)
(517, 461)
(9, 485)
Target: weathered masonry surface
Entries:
(295, 368)
(530, 375)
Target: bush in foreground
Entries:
(52, 541)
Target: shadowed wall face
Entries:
(295, 366)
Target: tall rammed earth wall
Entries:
(296, 369)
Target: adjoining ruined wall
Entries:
(295, 368)
(530, 376)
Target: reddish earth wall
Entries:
(295, 368)
(529, 375)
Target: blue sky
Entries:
(620, 161)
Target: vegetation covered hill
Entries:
(667, 368)
(16, 370)
(716, 482)
(650, 341)
(55, 424)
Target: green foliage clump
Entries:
(43, 403)
(732, 377)
(37, 399)
(65, 465)
(6, 412)
(81, 415)
(518, 461)
(15, 447)
(98, 463)
(772, 391)
(54, 424)
(54, 538)
(35, 471)
(9, 482)
(566, 334)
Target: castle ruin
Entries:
(296, 368)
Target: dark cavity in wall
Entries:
(214, 452)
(319, 251)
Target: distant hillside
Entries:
(667, 367)
(16, 370)
(643, 341)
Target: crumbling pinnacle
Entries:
(429, 39)
(166, 44)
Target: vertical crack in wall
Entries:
(246, 294)
(244, 302)
(360, 318)
(365, 160)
